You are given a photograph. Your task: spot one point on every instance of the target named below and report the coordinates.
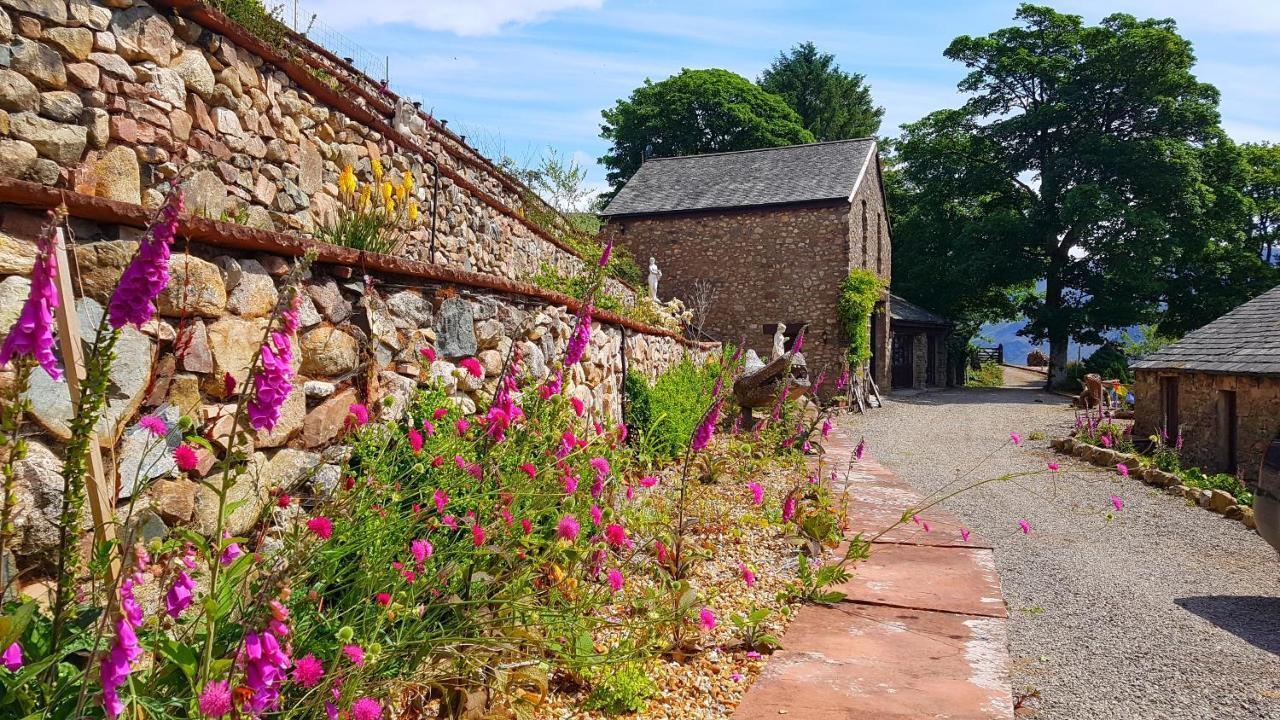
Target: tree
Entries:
(832, 104)
(1262, 187)
(697, 111)
(1084, 156)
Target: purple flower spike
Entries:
(133, 302)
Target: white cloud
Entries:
(461, 17)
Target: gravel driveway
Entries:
(1163, 611)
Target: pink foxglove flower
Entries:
(1117, 503)
(788, 508)
(757, 493)
(133, 301)
(608, 250)
(580, 339)
(860, 450)
(116, 666)
(707, 619)
(826, 428)
(273, 383)
(798, 345)
(1025, 527)
(568, 528)
(179, 596)
(231, 552)
(32, 333)
(1106, 441)
(11, 658)
(843, 381)
(736, 676)
(660, 551)
(266, 665)
(748, 576)
(702, 434)
(616, 581)
(215, 699)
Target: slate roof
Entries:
(905, 311)
(770, 176)
(1245, 341)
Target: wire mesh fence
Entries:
(307, 22)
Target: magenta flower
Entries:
(32, 333)
(308, 671)
(608, 250)
(421, 550)
(648, 481)
(580, 338)
(570, 484)
(1052, 466)
(477, 535)
(826, 427)
(1122, 469)
(215, 699)
(1015, 438)
(798, 345)
(133, 301)
(355, 654)
(116, 666)
(186, 458)
(450, 522)
(788, 508)
(154, 424)
(529, 470)
(707, 619)
(578, 407)
(1106, 441)
(428, 428)
(748, 576)
(383, 599)
(702, 434)
(274, 382)
(1117, 502)
(616, 581)
(1025, 527)
(925, 524)
(11, 658)
(616, 535)
(266, 665)
(415, 440)
(366, 709)
(568, 528)
(736, 676)
(757, 493)
(179, 596)
(843, 381)
(321, 527)
(358, 413)
(230, 552)
(439, 413)
(428, 354)
(440, 499)
(597, 515)
(472, 366)
(861, 450)
(601, 465)
(964, 534)
(462, 425)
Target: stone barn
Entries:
(1219, 387)
(767, 236)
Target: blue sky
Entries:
(518, 76)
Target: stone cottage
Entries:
(1219, 387)
(770, 235)
(919, 346)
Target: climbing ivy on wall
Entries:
(858, 295)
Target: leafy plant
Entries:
(858, 296)
(1196, 478)
(365, 222)
(753, 632)
(624, 690)
(813, 579)
(263, 23)
(988, 375)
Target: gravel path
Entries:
(1164, 611)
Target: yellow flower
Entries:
(377, 169)
(387, 190)
(413, 210)
(347, 180)
(407, 181)
(401, 193)
(391, 206)
(364, 196)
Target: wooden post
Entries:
(101, 498)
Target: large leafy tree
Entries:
(1084, 156)
(697, 111)
(1262, 187)
(833, 104)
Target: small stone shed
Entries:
(772, 233)
(919, 345)
(1219, 386)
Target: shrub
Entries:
(858, 295)
(990, 374)
(254, 16)
(676, 402)
(1193, 477)
(626, 690)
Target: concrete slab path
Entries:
(922, 632)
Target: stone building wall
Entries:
(113, 98)
(773, 264)
(766, 265)
(357, 342)
(1202, 417)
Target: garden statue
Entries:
(654, 276)
(408, 121)
(779, 342)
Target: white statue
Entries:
(408, 121)
(779, 341)
(654, 276)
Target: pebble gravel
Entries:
(1158, 610)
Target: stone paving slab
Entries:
(867, 662)
(946, 579)
(876, 500)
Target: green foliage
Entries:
(675, 404)
(697, 111)
(858, 296)
(624, 690)
(752, 629)
(1194, 477)
(988, 375)
(1134, 212)
(832, 104)
(637, 411)
(1110, 361)
(811, 582)
(254, 16)
(1108, 434)
(575, 285)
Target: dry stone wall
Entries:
(113, 98)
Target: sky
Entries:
(520, 76)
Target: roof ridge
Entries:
(870, 138)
